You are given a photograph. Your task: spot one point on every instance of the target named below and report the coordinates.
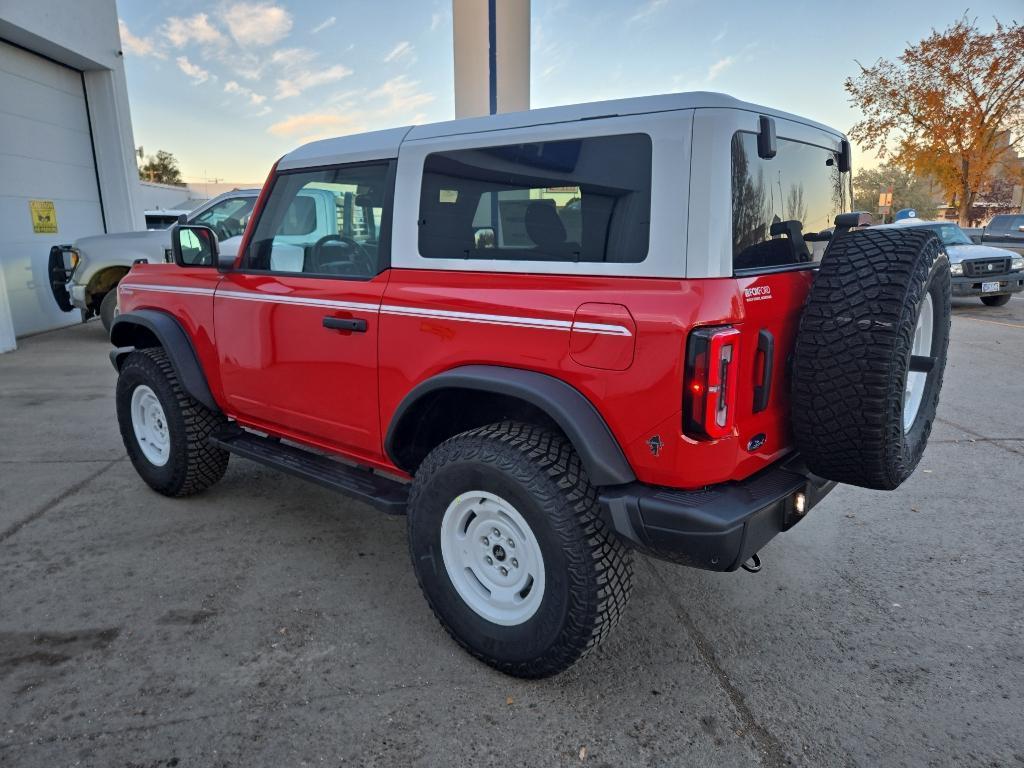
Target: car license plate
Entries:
(989, 287)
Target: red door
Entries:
(296, 326)
(298, 355)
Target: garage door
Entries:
(45, 155)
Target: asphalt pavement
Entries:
(268, 622)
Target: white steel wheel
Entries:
(150, 426)
(917, 380)
(492, 558)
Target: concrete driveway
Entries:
(269, 622)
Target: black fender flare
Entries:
(150, 327)
(574, 414)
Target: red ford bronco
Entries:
(549, 338)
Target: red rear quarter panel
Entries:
(639, 402)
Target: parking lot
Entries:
(269, 622)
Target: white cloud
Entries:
(403, 97)
(437, 19)
(138, 46)
(194, 29)
(301, 80)
(397, 101)
(316, 125)
(197, 73)
(719, 67)
(648, 9)
(404, 50)
(329, 22)
(256, 23)
(292, 57)
(254, 98)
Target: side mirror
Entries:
(845, 157)
(194, 246)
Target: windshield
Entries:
(950, 234)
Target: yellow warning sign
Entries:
(44, 217)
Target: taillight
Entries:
(709, 397)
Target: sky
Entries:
(229, 86)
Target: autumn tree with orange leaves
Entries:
(951, 107)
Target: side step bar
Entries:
(385, 494)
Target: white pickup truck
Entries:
(84, 274)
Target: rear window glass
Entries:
(776, 201)
(579, 200)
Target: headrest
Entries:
(543, 225)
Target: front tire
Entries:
(996, 301)
(510, 551)
(165, 431)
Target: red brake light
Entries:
(709, 405)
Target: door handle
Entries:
(356, 324)
(762, 391)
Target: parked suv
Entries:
(550, 338)
(990, 274)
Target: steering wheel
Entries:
(358, 257)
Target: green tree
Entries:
(161, 168)
(908, 191)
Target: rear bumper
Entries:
(715, 528)
(1009, 282)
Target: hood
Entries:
(958, 253)
(230, 245)
(149, 236)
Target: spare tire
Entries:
(870, 354)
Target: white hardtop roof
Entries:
(378, 144)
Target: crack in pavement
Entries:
(772, 753)
(220, 712)
(14, 528)
(980, 438)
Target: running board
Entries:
(385, 494)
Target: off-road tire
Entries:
(194, 464)
(589, 569)
(108, 307)
(853, 351)
(996, 301)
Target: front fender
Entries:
(145, 328)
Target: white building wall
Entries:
(82, 35)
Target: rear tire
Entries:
(881, 298)
(165, 431)
(996, 301)
(108, 308)
(523, 489)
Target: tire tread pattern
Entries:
(853, 345)
(600, 565)
(204, 464)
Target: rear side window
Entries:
(578, 200)
(775, 202)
